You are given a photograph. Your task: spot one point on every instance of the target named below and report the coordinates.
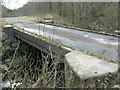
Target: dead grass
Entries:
(2, 23)
(30, 18)
(56, 18)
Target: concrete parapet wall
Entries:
(79, 68)
(37, 42)
(82, 70)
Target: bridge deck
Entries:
(85, 66)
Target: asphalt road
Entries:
(97, 43)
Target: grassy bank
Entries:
(2, 23)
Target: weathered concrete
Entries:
(88, 66)
(35, 41)
(10, 31)
(83, 65)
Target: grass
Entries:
(34, 18)
(100, 56)
(2, 23)
(3, 66)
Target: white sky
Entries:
(14, 4)
(74, 0)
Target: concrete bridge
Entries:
(83, 65)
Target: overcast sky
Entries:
(13, 4)
(74, 0)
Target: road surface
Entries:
(97, 43)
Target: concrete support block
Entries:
(88, 66)
(82, 69)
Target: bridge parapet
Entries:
(36, 41)
(83, 65)
(88, 66)
(8, 29)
